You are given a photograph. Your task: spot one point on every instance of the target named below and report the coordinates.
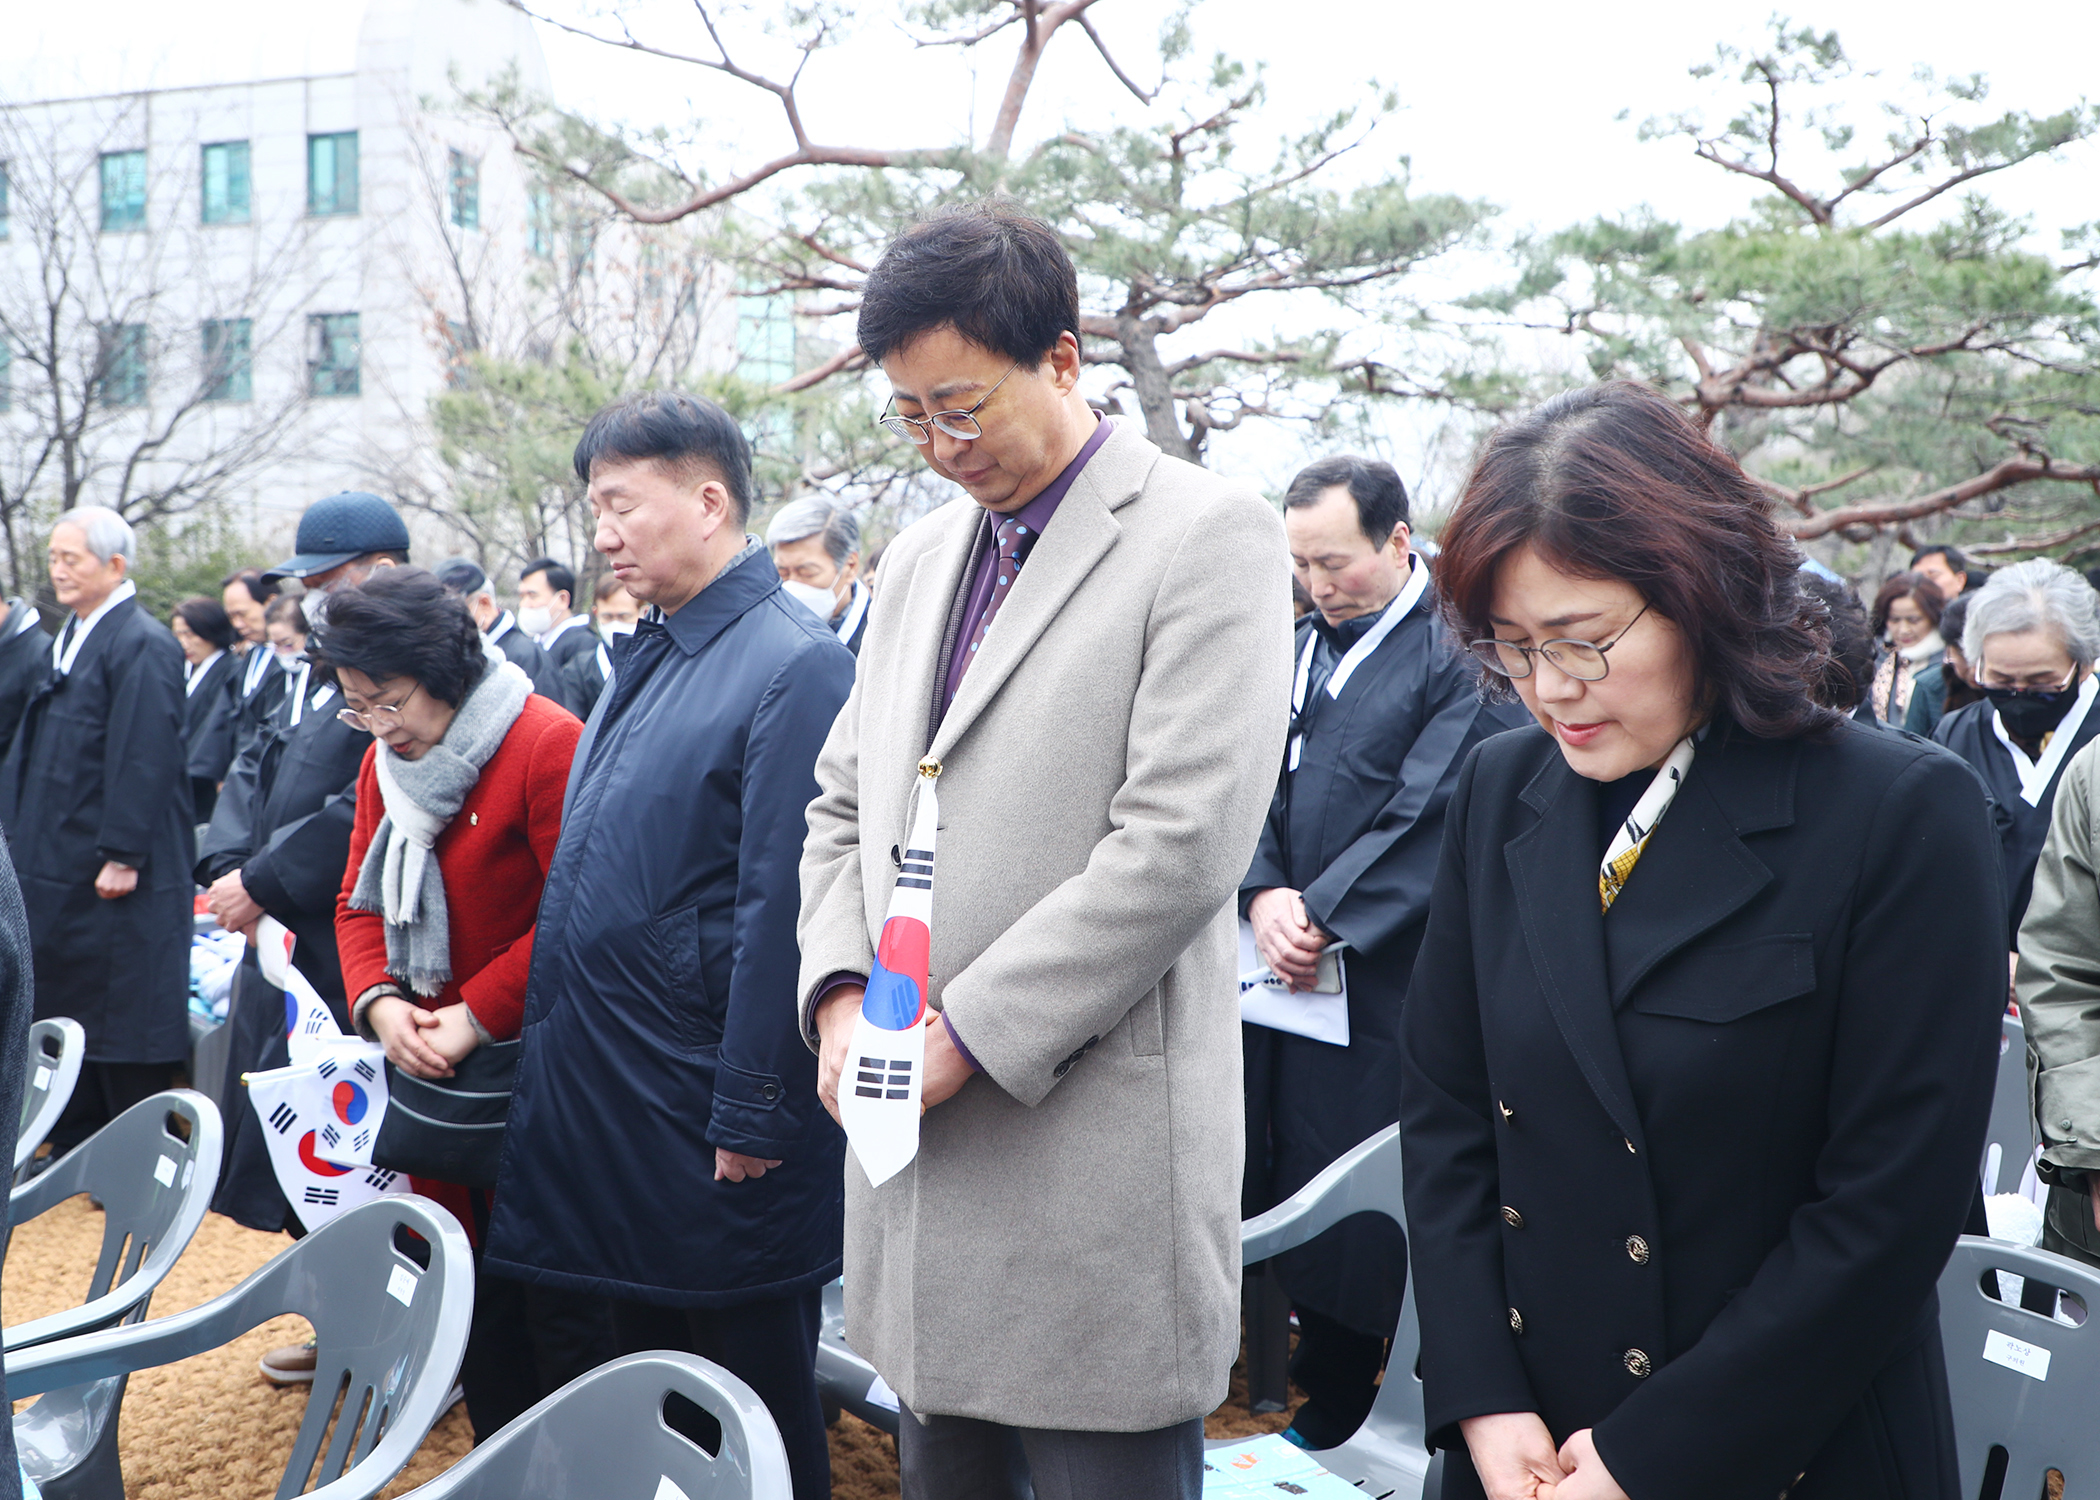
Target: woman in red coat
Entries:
(458, 811)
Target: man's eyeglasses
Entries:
(380, 717)
(957, 424)
(1582, 660)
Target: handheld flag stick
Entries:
(879, 1095)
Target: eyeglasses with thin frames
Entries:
(1585, 661)
(380, 717)
(962, 425)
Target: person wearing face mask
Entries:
(284, 628)
(546, 595)
(815, 544)
(1384, 713)
(1907, 620)
(278, 840)
(2031, 636)
(459, 806)
(1698, 1056)
(613, 616)
(465, 578)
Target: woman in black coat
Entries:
(1690, 1122)
(210, 681)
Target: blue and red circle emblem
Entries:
(349, 1102)
(313, 1163)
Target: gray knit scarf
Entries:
(399, 878)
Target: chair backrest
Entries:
(2022, 1383)
(2010, 1144)
(389, 1289)
(154, 1169)
(55, 1050)
(1365, 1179)
(616, 1431)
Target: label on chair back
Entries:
(164, 1171)
(2030, 1360)
(43, 1076)
(401, 1285)
(665, 1490)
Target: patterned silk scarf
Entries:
(1633, 834)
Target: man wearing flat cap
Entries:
(277, 844)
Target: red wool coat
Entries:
(493, 856)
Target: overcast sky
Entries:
(1519, 104)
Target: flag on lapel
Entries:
(879, 1091)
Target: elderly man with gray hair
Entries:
(95, 798)
(815, 544)
(2031, 637)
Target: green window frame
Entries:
(123, 348)
(224, 183)
(123, 191)
(465, 190)
(6, 213)
(228, 368)
(331, 174)
(540, 222)
(332, 370)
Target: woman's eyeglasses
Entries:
(1584, 661)
(380, 717)
(962, 425)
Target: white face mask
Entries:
(536, 621)
(310, 604)
(289, 660)
(819, 602)
(618, 627)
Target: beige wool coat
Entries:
(1064, 1252)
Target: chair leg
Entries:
(100, 1474)
(1267, 1311)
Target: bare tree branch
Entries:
(2022, 470)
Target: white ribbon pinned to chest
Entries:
(879, 1091)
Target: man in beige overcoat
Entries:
(1095, 644)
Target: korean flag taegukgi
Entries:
(879, 1089)
(321, 1114)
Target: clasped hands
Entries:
(943, 1074)
(1514, 1456)
(1288, 940)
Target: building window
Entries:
(226, 183)
(226, 363)
(7, 384)
(765, 339)
(466, 191)
(123, 190)
(459, 343)
(123, 349)
(540, 223)
(4, 212)
(331, 173)
(333, 365)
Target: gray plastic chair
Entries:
(2011, 1142)
(2011, 1426)
(843, 1377)
(153, 1169)
(609, 1433)
(389, 1333)
(55, 1050)
(1387, 1456)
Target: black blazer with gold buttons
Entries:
(1686, 1173)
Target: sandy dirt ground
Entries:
(211, 1428)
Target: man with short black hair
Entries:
(665, 1146)
(95, 796)
(546, 612)
(815, 543)
(246, 596)
(1093, 644)
(1384, 713)
(1951, 573)
(466, 578)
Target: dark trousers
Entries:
(770, 1346)
(526, 1343)
(1337, 1368)
(105, 1091)
(962, 1458)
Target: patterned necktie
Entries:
(1640, 824)
(1015, 540)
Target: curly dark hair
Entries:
(1916, 587)
(1615, 482)
(401, 622)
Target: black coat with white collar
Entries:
(1686, 1173)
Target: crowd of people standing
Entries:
(1592, 834)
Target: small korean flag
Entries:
(353, 1080)
(295, 1109)
(879, 1090)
